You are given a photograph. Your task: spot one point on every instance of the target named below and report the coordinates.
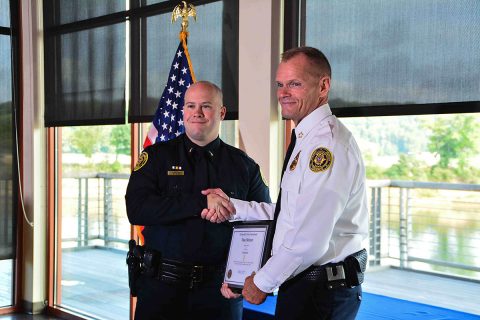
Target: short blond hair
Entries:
(318, 60)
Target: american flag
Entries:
(168, 121)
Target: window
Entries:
(92, 222)
(416, 64)
(129, 51)
(109, 64)
(8, 158)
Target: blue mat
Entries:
(373, 307)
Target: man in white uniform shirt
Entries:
(317, 259)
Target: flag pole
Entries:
(185, 10)
(171, 101)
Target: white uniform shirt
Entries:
(324, 214)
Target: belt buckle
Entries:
(339, 274)
(197, 275)
(335, 280)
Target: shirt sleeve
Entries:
(148, 204)
(258, 190)
(312, 203)
(252, 210)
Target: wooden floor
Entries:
(424, 288)
(95, 282)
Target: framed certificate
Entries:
(250, 248)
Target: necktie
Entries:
(290, 148)
(195, 227)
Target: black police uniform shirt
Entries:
(164, 195)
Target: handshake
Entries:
(219, 207)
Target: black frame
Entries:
(139, 10)
(294, 36)
(267, 249)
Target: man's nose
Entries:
(198, 112)
(283, 92)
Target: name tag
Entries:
(176, 173)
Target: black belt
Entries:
(344, 274)
(176, 272)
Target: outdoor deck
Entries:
(83, 285)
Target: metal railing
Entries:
(418, 225)
(94, 206)
(429, 226)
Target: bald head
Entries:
(217, 93)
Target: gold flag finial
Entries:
(184, 10)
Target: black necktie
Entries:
(195, 227)
(201, 168)
(290, 148)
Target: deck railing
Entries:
(428, 226)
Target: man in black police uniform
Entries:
(186, 255)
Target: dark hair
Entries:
(319, 61)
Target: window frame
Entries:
(294, 36)
(136, 15)
(17, 154)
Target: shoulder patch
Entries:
(321, 159)
(142, 160)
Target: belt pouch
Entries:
(151, 261)
(355, 267)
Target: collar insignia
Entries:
(294, 163)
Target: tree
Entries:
(453, 138)
(86, 140)
(407, 168)
(120, 139)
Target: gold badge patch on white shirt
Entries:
(321, 159)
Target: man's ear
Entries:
(325, 85)
(223, 112)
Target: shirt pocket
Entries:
(290, 192)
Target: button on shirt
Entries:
(324, 214)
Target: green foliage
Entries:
(389, 136)
(120, 139)
(453, 138)
(414, 140)
(407, 168)
(6, 135)
(104, 167)
(86, 140)
(373, 171)
(115, 167)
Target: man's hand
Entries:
(251, 293)
(217, 191)
(228, 293)
(219, 208)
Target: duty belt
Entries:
(176, 272)
(344, 274)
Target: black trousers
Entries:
(305, 299)
(165, 301)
